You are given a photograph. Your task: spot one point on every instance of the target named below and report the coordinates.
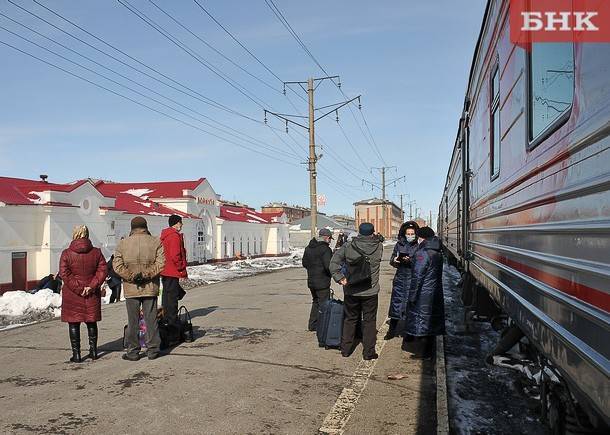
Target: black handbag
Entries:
(186, 326)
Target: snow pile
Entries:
(19, 307)
(212, 273)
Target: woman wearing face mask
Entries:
(401, 260)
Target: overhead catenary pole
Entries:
(313, 195)
(411, 209)
(385, 226)
(402, 213)
(313, 157)
(383, 183)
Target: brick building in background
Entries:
(372, 210)
(292, 212)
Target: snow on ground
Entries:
(206, 274)
(483, 398)
(19, 307)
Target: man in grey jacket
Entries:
(360, 300)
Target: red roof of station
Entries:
(134, 205)
(244, 214)
(160, 189)
(18, 191)
(131, 198)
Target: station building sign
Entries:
(206, 201)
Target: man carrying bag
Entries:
(360, 281)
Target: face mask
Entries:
(410, 239)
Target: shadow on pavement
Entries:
(202, 312)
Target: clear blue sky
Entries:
(409, 60)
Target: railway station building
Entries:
(37, 217)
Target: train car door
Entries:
(19, 270)
(466, 180)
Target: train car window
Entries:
(495, 124)
(551, 87)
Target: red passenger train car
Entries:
(525, 213)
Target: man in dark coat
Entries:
(426, 310)
(341, 239)
(361, 298)
(316, 259)
(114, 281)
(403, 252)
(51, 281)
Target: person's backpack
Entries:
(359, 276)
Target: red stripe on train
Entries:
(587, 294)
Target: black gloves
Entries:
(138, 279)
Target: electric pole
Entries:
(402, 213)
(402, 210)
(383, 186)
(313, 194)
(313, 157)
(411, 209)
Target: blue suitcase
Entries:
(330, 323)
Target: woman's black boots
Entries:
(74, 329)
(92, 331)
(391, 330)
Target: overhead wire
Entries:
(194, 54)
(180, 86)
(191, 92)
(211, 47)
(280, 16)
(252, 138)
(73, 74)
(242, 45)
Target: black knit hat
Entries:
(366, 228)
(174, 219)
(138, 222)
(425, 232)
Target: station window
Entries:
(495, 124)
(551, 87)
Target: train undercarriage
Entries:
(560, 408)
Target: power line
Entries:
(211, 47)
(351, 145)
(287, 25)
(280, 16)
(237, 40)
(191, 92)
(132, 81)
(334, 155)
(192, 53)
(142, 104)
(242, 45)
